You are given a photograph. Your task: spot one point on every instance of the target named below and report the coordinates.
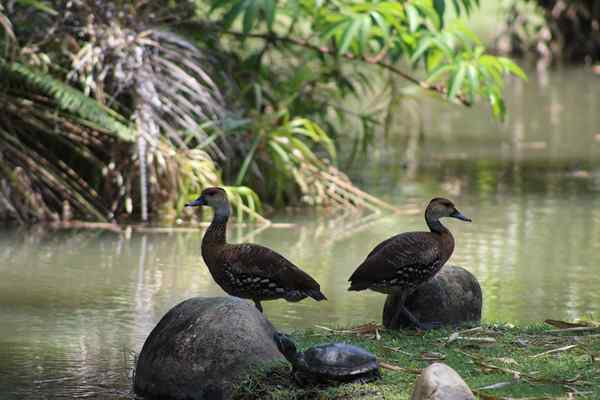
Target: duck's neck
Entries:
(446, 238)
(216, 234)
(435, 225)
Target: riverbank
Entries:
(499, 362)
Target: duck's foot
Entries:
(258, 305)
(427, 326)
(421, 326)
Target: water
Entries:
(76, 306)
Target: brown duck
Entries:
(403, 262)
(248, 270)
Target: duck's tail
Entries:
(316, 294)
(357, 286)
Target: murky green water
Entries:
(74, 306)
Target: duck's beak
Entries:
(200, 201)
(458, 215)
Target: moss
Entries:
(492, 354)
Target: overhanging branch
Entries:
(377, 60)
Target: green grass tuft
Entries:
(486, 356)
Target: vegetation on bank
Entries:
(120, 110)
(498, 362)
(552, 30)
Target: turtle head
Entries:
(286, 346)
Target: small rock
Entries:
(452, 297)
(203, 346)
(440, 382)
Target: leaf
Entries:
(413, 17)
(233, 13)
(438, 72)
(250, 15)
(440, 9)
(244, 168)
(348, 35)
(70, 99)
(423, 46)
(456, 81)
(270, 7)
(434, 58)
(510, 66)
(473, 77)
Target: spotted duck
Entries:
(247, 270)
(401, 263)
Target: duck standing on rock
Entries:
(248, 270)
(403, 262)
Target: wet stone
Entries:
(453, 297)
(440, 382)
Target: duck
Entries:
(247, 270)
(401, 263)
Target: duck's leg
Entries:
(258, 305)
(422, 326)
(402, 310)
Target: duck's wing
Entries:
(255, 261)
(414, 250)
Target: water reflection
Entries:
(75, 305)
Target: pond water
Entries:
(76, 306)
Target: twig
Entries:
(579, 329)
(393, 367)
(377, 60)
(564, 348)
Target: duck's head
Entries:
(440, 208)
(214, 197)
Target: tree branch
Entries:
(377, 60)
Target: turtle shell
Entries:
(339, 360)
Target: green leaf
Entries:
(497, 103)
(348, 35)
(233, 13)
(513, 68)
(40, 5)
(365, 30)
(270, 8)
(250, 15)
(439, 71)
(440, 9)
(456, 81)
(247, 160)
(73, 100)
(473, 76)
(434, 58)
(413, 17)
(423, 46)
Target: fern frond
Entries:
(70, 99)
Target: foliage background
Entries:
(124, 110)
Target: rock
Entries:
(203, 345)
(440, 382)
(452, 297)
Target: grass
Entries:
(509, 358)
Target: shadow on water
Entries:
(75, 306)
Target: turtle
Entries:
(327, 363)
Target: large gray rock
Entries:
(202, 344)
(440, 382)
(452, 297)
